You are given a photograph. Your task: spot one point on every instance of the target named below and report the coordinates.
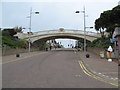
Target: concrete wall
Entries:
(95, 50)
(98, 50)
(10, 51)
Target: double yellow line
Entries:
(87, 72)
(9, 61)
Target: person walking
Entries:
(50, 47)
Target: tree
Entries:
(108, 20)
(114, 19)
(116, 15)
(18, 29)
(11, 31)
(99, 27)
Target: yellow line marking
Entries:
(94, 72)
(99, 78)
(21, 58)
(94, 76)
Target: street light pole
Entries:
(29, 46)
(30, 20)
(84, 32)
(29, 33)
(84, 28)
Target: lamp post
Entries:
(84, 28)
(29, 33)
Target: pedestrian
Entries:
(50, 47)
(110, 50)
(46, 48)
(55, 47)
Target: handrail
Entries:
(65, 31)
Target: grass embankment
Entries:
(100, 43)
(13, 42)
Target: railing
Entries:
(65, 31)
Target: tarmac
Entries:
(100, 67)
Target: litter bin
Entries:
(102, 54)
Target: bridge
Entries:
(59, 33)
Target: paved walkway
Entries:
(101, 67)
(22, 55)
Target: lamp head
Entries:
(77, 12)
(36, 12)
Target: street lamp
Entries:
(84, 28)
(29, 33)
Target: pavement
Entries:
(11, 58)
(100, 67)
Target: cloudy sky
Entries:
(54, 14)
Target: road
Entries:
(52, 69)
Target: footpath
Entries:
(12, 58)
(101, 67)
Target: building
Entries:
(54, 44)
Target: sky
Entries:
(53, 14)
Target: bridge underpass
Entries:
(44, 40)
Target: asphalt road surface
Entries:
(52, 69)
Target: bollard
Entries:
(110, 50)
(87, 55)
(110, 56)
(17, 55)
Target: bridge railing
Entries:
(65, 31)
